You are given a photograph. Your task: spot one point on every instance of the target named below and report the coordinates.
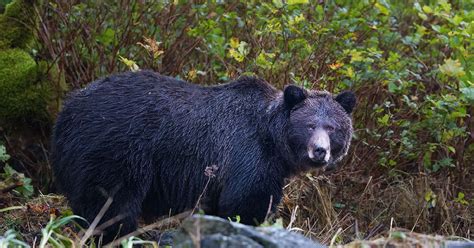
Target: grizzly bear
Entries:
(146, 140)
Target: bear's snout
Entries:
(319, 154)
(319, 147)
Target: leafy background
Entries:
(410, 63)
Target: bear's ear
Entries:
(294, 95)
(347, 100)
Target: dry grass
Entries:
(363, 213)
(401, 238)
(28, 218)
(347, 206)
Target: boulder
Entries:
(211, 231)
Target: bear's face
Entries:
(320, 126)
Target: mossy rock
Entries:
(16, 24)
(23, 98)
(3, 3)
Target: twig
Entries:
(12, 187)
(292, 218)
(99, 216)
(333, 240)
(150, 227)
(269, 208)
(200, 196)
(210, 172)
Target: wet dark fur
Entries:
(146, 139)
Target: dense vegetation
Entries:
(411, 64)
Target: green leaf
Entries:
(452, 68)
(461, 199)
(339, 205)
(468, 93)
(106, 37)
(392, 87)
(423, 16)
(436, 28)
(129, 63)
(430, 198)
(278, 3)
(398, 235)
(427, 9)
(445, 162)
(384, 10)
(9, 171)
(3, 154)
(293, 2)
(427, 159)
(383, 120)
(452, 149)
(262, 60)
(356, 56)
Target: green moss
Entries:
(22, 97)
(3, 3)
(16, 23)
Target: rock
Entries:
(210, 231)
(458, 244)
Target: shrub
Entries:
(22, 96)
(16, 24)
(411, 64)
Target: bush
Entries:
(17, 25)
(22, 96)
(411, 64)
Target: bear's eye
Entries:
(329, 128)
(311, 127)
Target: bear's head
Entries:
(320, 126)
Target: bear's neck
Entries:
(275, 128)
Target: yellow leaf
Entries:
(349, 72)
(452, 68)
(129, 63)
(336, 65)
(234, 42)
(299, 18)
(192, 74)
(293, 2)
(236, 55)
(356, 56)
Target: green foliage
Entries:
(58, 233)
(52, 234)
(278, 223)
(11, 178)
(22, 95)
(3, 154)
(16, 24)
(410, 63)
(134, 241)
(235, 219)
(461, 199)
(9, 239)
(3, 3)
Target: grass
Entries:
(46, 221)
(363, 208)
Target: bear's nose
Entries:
(319, 154)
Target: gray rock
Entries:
(211, 231)
(458, 244)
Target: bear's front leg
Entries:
(251, 200)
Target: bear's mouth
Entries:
(319, 164)
(319, 161)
